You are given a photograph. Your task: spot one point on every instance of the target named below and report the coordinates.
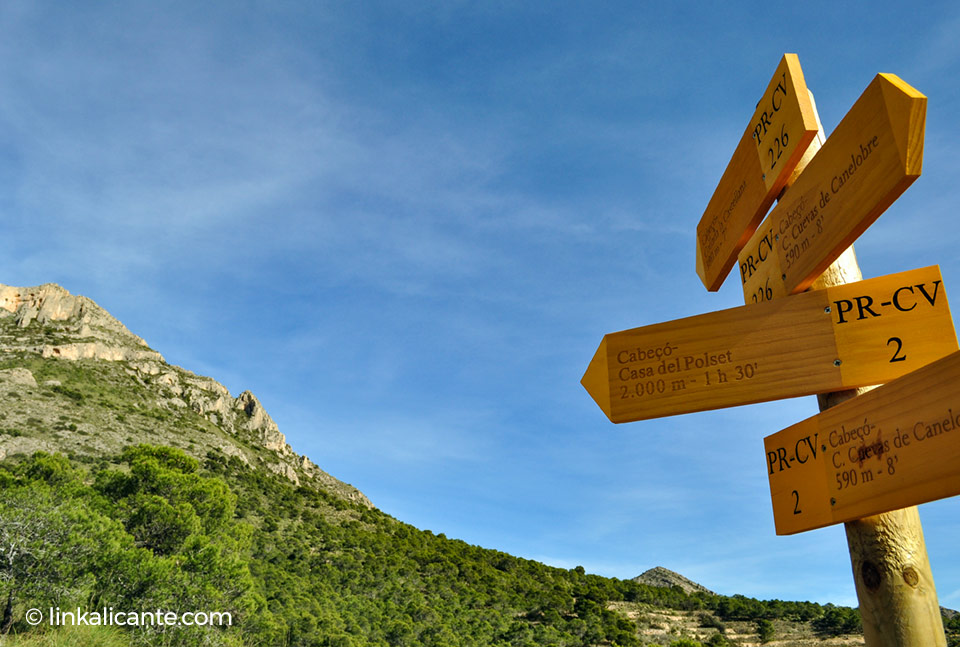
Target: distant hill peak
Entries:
(665, 578)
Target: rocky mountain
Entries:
(59, 351)
(665, 578)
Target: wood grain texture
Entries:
(874, 154)
(895, 587)
(811, 343)
(774, 141)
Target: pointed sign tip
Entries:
(702, 272)
(906, 109)
(596, 379)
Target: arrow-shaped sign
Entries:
(780, 130)
(857, 334)
(895, 446)
(871, 158)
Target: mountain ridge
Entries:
(47, 323)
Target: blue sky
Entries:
(406, 227)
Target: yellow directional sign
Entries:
(779, 132)
(895, 446)
(871, 158)
(842, 337)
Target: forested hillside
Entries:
(154, 528)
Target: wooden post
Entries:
(895, 589)
(891, 570)
(898, 599)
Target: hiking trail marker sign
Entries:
(895, 446)
(843, 337)
(782, 126)
(874, 154)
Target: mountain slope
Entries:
(93, 387)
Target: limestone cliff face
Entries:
(260, 422)
(48, 302)
(48, 322)
(87, 330)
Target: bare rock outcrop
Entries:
(20, 376)
(50, 303)
(97, 350)
(88, 331)
(260, 422)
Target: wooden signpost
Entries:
(781, 128)
(840, 338)
(896, 446)
(871, 158)
(859, 461)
